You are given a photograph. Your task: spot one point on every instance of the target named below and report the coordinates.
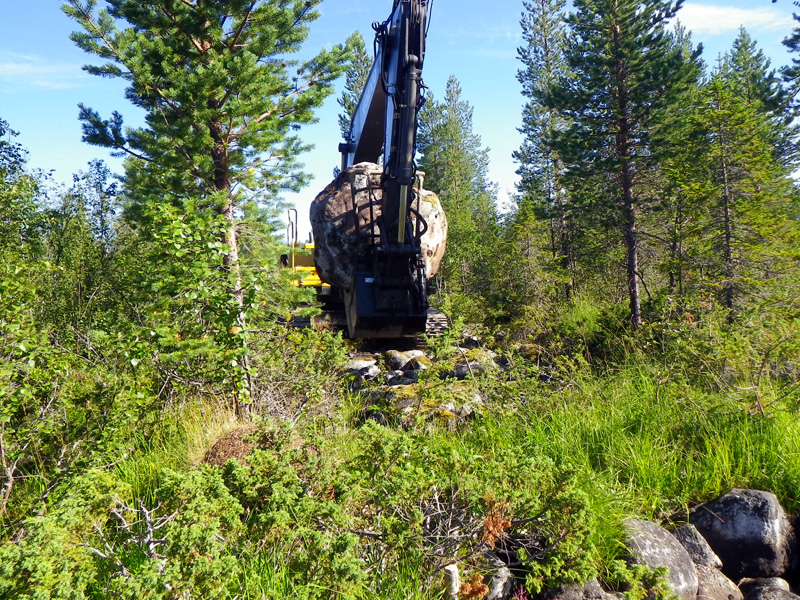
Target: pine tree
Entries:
(542, 194)
(221, 104)
(456, 168)
(627, 70)
(223, 99)
(355, 79)
(791, 73)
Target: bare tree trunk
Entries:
(623, 154)
(629, 224)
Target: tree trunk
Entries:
(219, 156)
(623, 155)
(729, 270)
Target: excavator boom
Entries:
(385, 292)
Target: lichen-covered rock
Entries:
(772, 588)
(335, 223)
(365, 368)
(749, 584)
(575, 591)
(396, 360)
(473, 362)
(750, 533)
(405, 403)
(696, 545)
(653, 546)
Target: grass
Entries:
(179, 442)
(586, 452)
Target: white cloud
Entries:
(25, 71)
(707, 19)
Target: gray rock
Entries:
(748, 584)
(501, 585)
(588, 591)
(358, 364)
(395, 378)
(766, 592)
(696, 545)
(713, 585)
(396, 360)
(653, 546)
(469, 369)
(419, 363)
(364, 368)
(750, 533)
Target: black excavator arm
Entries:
(388, 296)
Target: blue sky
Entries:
(41, 82)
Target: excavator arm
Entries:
(388, 296)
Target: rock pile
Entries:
(402, 385)
(741, 546)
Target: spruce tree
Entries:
(627, 71)
(750, 231)
(747, 70)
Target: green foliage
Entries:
(638, 581)
(456, 168)
(123, 340)
(54, 560)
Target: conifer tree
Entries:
(750, 230)
(223, 98)
(456, 168)
(542, 194)
(221, 105)
(748, 71)
(627, 71)
(354, 80)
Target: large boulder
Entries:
(335, 223)
(750, 533)
(772, 588)
(653, 546)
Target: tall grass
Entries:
(664, 445)
(179, 442)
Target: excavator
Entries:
(384, 284)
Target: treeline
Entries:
(645, 174)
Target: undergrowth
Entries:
(568, 444)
